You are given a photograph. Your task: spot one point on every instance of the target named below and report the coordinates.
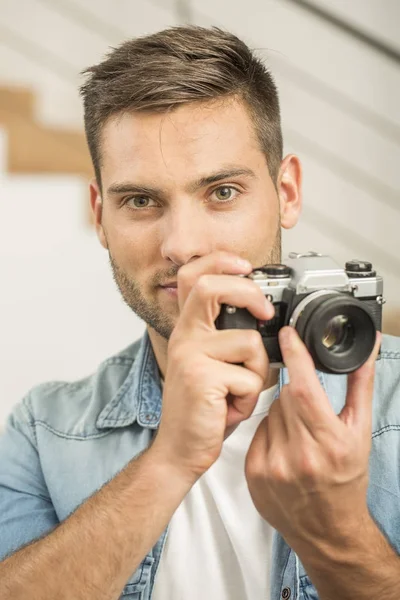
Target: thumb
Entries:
(360, 388)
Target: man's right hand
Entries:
(206, 395)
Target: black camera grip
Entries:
(240, 319)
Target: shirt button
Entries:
(286, 593)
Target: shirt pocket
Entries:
(134, 589)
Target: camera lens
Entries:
(337, 329)
(338, 335)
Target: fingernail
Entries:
(243, 263)
(269, 307)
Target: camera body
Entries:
(336, 311)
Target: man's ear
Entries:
(97, 209)
(289, 190)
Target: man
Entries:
(103, 497)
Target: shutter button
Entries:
(286, 593)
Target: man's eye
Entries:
(225, 193)
(138, 202)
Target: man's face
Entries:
(177, 186)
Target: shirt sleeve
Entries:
(26, 510)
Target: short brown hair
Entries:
(158, 72)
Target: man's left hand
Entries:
(307, 468)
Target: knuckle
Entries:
(253, 340)
(247, 404)
(252, 389)
(257, 385)
(255, 380)
(338, 452)
(253, 472)
(308, 465)
(277, 469)
(202, 286)
(298, 390)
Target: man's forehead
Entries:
(135, 149)
(194, 125)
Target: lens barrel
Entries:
(338, 331)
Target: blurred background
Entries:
(337, 65)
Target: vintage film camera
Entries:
(335, 311)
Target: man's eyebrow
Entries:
(127, 187)
(218, 176)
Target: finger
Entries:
(268, 444)
(243, 347)
(256, 457)
(277, 427)
(360, 389)
(244, 388)
(203, 304)
(216, 262)
(309, 400)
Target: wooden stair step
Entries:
(17, 100)
(33, 148)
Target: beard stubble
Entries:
(150, 310)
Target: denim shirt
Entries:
(64, 441)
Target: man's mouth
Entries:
(171, 284)
(170, 288)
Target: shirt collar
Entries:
(139, 397)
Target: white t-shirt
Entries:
(218, 546)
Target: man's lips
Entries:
(170, 288)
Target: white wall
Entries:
(379, 18)
(60, 311)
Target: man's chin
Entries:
(158, 331)
(163, 326)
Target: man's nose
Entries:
(185, 235)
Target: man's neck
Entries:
(160, 349)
